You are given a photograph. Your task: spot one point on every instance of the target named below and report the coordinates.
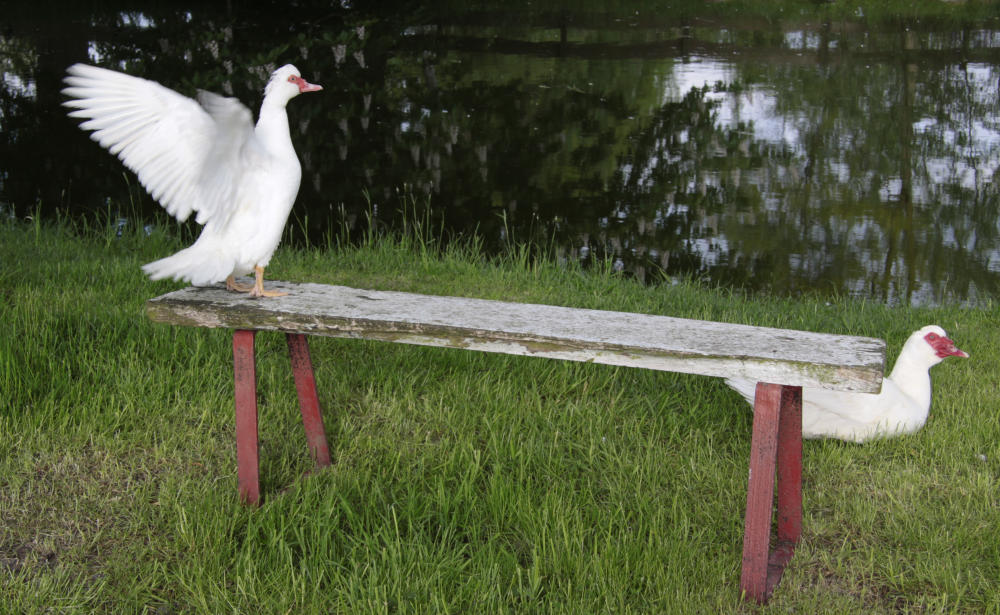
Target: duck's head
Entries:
(286, 83)
(936, 344)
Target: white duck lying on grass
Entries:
(901, 407)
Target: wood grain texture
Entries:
(305, 387)
(760, 491)
(617, 338)
(247, 453)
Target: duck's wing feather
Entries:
(185, 154)
(233, 154)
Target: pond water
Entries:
(779, 153)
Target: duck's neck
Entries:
(913, 378)
(272, 128)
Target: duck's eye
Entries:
(932, 336)
(292, 79)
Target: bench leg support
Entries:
(305, 385)
(247, 437)
(776, 445)
(247, 456)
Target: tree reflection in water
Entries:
(851, 157)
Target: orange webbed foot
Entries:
(258, 287)
(233, 286)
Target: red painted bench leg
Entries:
(305, 384)
(789, 525)
(776, 443)
(247, 456)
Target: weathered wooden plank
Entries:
(617, 338)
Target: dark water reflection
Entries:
(778, 155)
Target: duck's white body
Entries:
(901, 407)
(240, 180)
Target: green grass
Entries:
(462, 482)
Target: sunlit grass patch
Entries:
(462, 482)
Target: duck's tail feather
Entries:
(191, 265)
(746, 388)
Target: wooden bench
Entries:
(781, 360)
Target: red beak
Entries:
(305, 86)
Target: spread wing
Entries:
(189, 157)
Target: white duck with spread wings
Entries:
(205, 157)
(901, 407)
